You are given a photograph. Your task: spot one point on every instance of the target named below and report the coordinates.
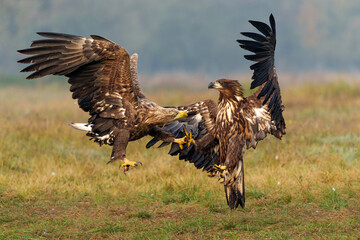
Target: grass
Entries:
(54, 183)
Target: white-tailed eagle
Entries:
(104, 79)
(218, 134)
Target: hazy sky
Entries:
(193, 36)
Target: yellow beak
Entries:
(181, 114)
(215, 85)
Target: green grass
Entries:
(54, 183)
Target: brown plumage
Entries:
(222, 132)
(104, 80)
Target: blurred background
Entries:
(54, 183)
(192, 37)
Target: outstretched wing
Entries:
(260, 122)
(98, 71)
(263, 46)
(195, 123)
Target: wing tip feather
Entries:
(57, 35)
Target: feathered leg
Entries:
(235, 189)
(234, 183)
(119, 149)
(161, 135)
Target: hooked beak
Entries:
(181, 114)
(214, 85)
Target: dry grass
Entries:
(54, 183)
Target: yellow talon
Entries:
(187, 139)
(127, 164)
(219, 168)
(190, 139)
(186, 133)
(180, 141)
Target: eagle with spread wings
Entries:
(104, 79)
(217, 135)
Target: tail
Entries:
(235, 186)
(82, 126)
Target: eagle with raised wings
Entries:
(218, 134)
(104, 79)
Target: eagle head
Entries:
(160, 115)
(227, 88)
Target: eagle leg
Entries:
(187, 139)
(119, 149)
(220, 169)
(127, 164)
(181, 142)
(161, 134)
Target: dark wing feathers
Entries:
(152, 142)
(98, 71)
(40, 57)
(200, 159)
(49, 43)
(58, 35)
(42, 50)
(264, 76)
(272, 24)
(196, 125)
(262, 27)
(81, 59)
(255, 36)
(263, 47)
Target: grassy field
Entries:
(54, 183)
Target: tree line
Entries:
(192, 36)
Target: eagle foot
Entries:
(181, 142)
(221, 178)
(187, 139)
(127, 164)
(219, 168)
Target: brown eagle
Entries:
(104, 79)
(217, 135)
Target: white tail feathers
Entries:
(82, 126)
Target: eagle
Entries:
(215, 138)
(104, 80)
